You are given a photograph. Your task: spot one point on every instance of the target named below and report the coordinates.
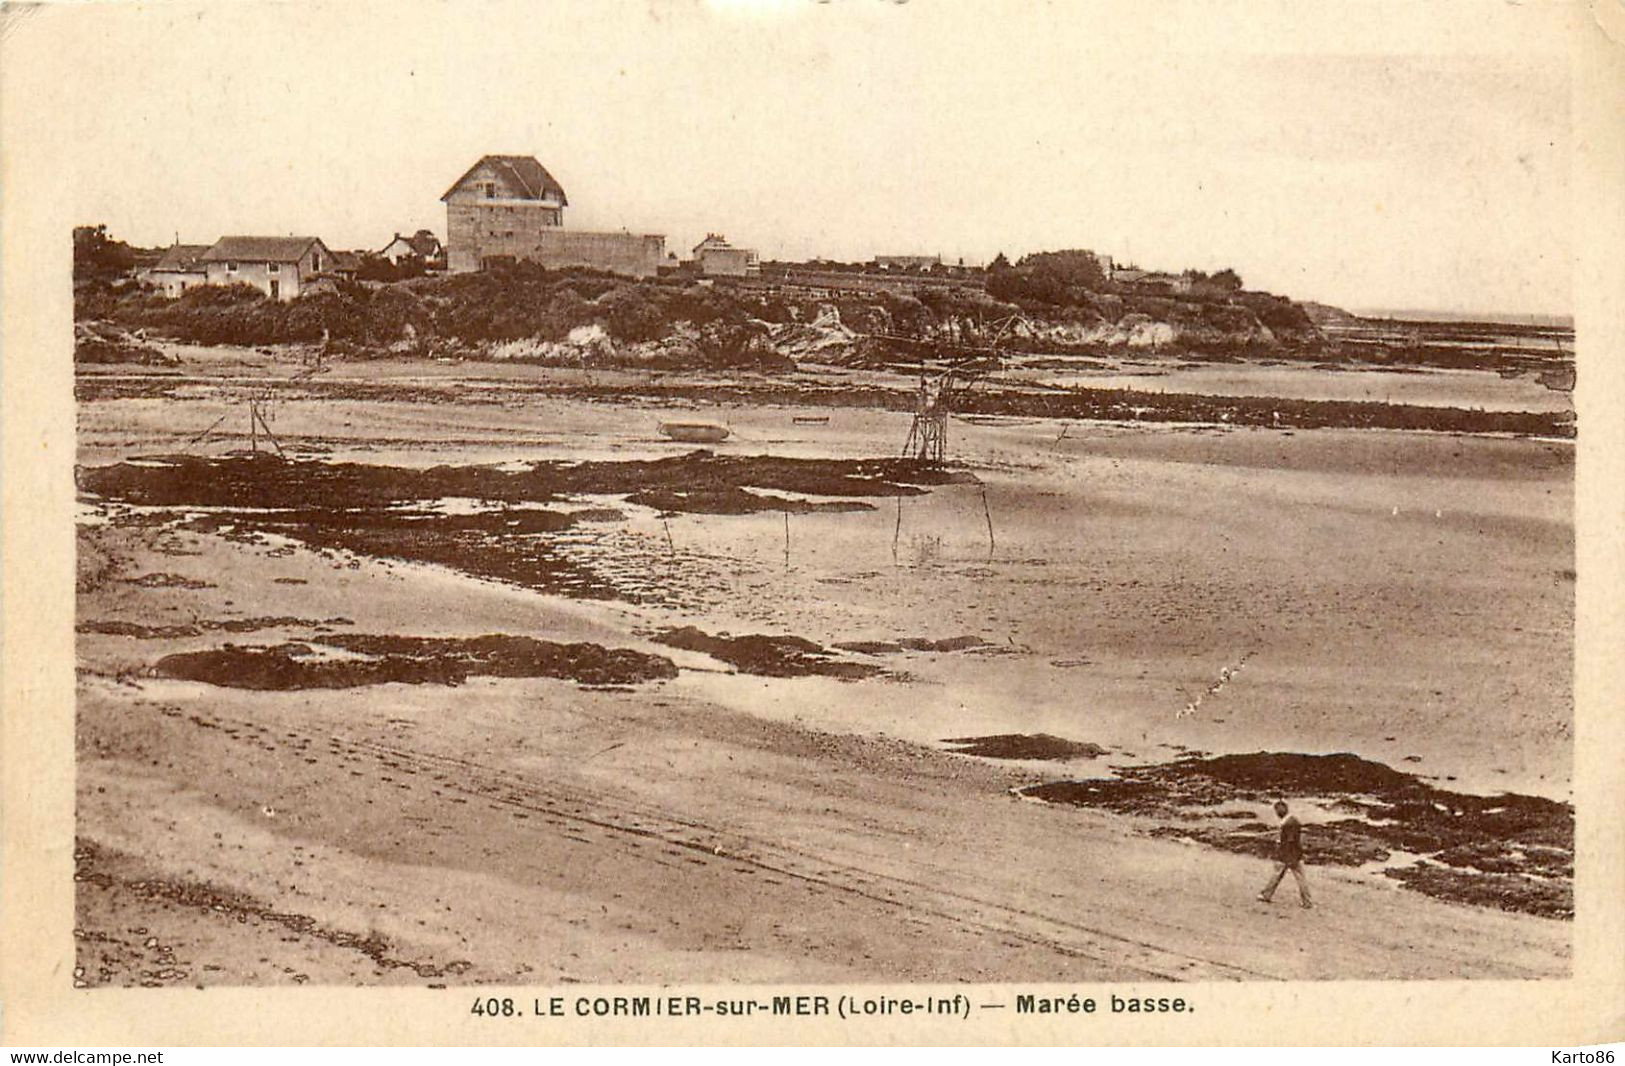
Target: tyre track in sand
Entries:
(573, 811)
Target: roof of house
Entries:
(346, 260)
(181, 258)
(260, 249)
(715, 242)
(422, 243)
(524, 172)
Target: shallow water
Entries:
(1480, 389)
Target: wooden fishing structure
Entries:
(258, 402)
(948, 370)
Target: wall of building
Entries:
(396, 251)
(288, 276)
(258, 275)
(475, 226)
(480, 230)
(726, 262)
(172, 283)
(829, 282)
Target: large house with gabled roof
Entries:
(509, 207)
(280, 267)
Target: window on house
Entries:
(316, 261)
(490, 190)
(231, 266)
(274, 267)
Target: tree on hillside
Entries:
(999, 263)
(1225, 281)
(1072, 268)
(1060, 279)
(96, 255)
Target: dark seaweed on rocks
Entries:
(1481, 840)
(141, 631)
(1504, 891)
(892, 647)
(412, 660)
(1125, 405)
(168, 581)
(1321, 848)
(768, 656)
(389, 512)
(264, 481)
(1024, 746)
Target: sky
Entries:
(1366, 153)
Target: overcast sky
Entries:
(1364, 153)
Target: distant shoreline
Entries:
(1500, 317)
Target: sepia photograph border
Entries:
(39, 1007)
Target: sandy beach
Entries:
(1102, 597)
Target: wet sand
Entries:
(1403, 597)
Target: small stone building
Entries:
(178, 269)
(714, 257)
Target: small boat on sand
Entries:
(696, 432)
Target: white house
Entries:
(715, 257)
(280, 267)
(421, 245)
(178, 269)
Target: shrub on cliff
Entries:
(1277, 312)
(390, 313)
(319, 316)
(634, 313)
(1054, 279)
(211, 314)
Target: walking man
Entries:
(1288, 856)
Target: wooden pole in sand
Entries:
(988, 514)
(897, 532)
(268, 434)
(787, 540)
(195, 440)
